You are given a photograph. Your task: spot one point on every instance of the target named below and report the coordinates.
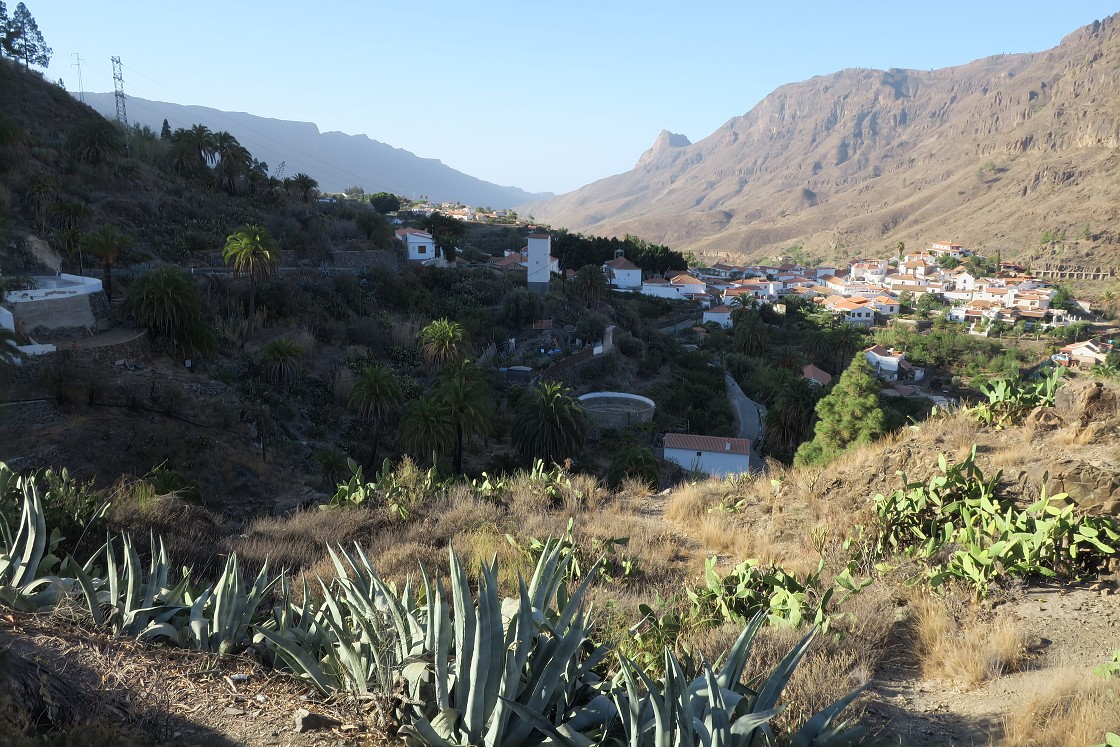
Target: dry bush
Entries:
(583, 493)
(690, 502)
(192, 535)
(527, 497)
(957, 644)
(304, 339)
(1073, 711)
(299, 541)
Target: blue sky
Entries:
(547, 95)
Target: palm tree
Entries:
(106, 244)
(789, 421)
(427, 428)
(305, 187)
(787, 357)
(465, 394)
(847, 337)
(549, 423)
(281, 361)
(441, 343)
(203, 143)
(376, 395)
(166, 302)
(95, 141)
(590, 284)
(252, 250)
(751, 334)
(634, 462)
(1109, 300)
(234, 161)
(39, 192)
(70, 241)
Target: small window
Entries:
(422, 249)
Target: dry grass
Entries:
(1075, 710)
(955, 643)
(299, 541)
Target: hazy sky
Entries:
(547, 95)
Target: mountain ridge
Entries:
(303, 147)
(996, 152)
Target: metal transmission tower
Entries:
(118, 92)
(81, 88)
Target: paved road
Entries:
(749, 415)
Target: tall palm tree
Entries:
(590, 284)
(466, 395)
(751, 334)
(305, 187)
(376, 395)
(106, 243)
(427, 428)
(1109, 300)
(789, 421)
(441, 343)
(204, 144)
(252, 250)
(234, 162)
(847, 337)
(40, 190)
(95, 141)
(549, 423)
(168, 304)
(70, 241)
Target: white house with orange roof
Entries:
(947, 248)
(420, 245)
(721, 315)
(857, 311)
(711, 455)
(622, 274)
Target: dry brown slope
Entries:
(994, 153)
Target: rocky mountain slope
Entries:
(993, 154)
(335, 159)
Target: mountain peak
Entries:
(665, 141)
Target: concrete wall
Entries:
(50, 314)
(710, 462)
(631, 409)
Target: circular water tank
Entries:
(617, 409)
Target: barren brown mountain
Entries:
(994, 154)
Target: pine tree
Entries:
(165, 131)
(848, 416)
(22, 39)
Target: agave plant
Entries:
(716, 709)
(476, 670)
(29, 554)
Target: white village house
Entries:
(420, 244)
(709, 454)
(622, 274)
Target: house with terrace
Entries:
(891, 365)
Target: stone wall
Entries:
(102, 355)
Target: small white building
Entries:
(721, 315)
(709, 454)
(891, 365)
(622, 274)
(420, 244)
(539, 258)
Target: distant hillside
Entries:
(994, 154)
(335, 159)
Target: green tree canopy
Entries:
(385, 202)
(521, 307)
(442, 342)
(168, 304)
(466, 396)
(251, 250)
(848, 416)
(427, 428)
(634, 462)
(21, 39)
(106, 243)
(549, 423)
(376, 395)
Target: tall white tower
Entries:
(540, 249)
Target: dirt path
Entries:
(1069, 630)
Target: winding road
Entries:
(750, 416)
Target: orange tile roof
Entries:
(815, 374)
(689, 442)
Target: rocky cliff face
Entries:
(993, 153)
